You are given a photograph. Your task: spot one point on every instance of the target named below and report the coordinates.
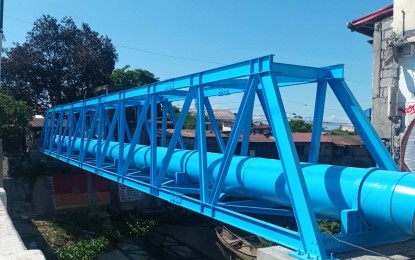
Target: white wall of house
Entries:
(403, 18)
(406, 97)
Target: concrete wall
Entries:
(11, 246)
(29, 196)
(403, 19)
(393, 106)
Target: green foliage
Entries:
(329, 226)
(190, 122)
(58, 63)
(86, 249)
(15, 117)
(138, 226)
(298, 125)
(124, 78)
(25, 169)
(340, 132)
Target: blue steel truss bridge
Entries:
(375, 206)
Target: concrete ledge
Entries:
(11, 246)
(3, 197)
(273, 253)
(399, 251)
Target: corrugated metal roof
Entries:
(340, 140)
(336, 139)
(220, 114)
(365, 24)
(261, 126)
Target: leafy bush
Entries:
(86, 249)
(329, 226)
(137, 226)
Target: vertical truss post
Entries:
(305, 217)
(233, 140)
(318, 121)
(361, 122)
(202, 149)
(153, 143)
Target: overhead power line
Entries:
(167, 55)
(17, 19)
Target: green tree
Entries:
(58, 63)
(15, 117)
(298, 125)
(341, 132)
(190, 122)
(125, 78)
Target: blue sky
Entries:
(173, 38)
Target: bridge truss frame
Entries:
(103, 118)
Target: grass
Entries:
(77, 236)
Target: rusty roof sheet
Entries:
(340, 140)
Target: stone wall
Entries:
(385, 90)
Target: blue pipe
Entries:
(386, 199)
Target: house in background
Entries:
(225, 119)
(261, 130)
(393, 90)
(346, 150)
(348, 127)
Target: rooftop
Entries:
(365, 25)
(340, 140)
